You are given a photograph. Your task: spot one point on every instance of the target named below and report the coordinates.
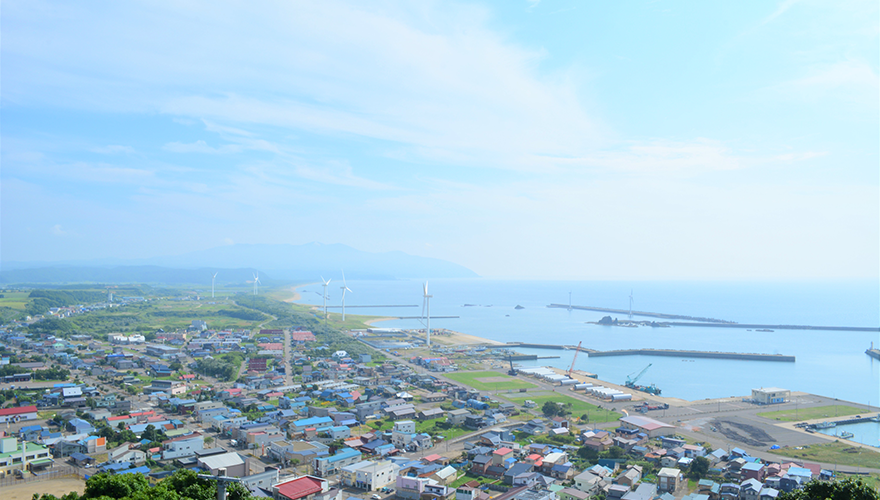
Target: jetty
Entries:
(712, 322)
(777, 327)
(696, 354)
(640, 313)
(660, 352)
(874, 353)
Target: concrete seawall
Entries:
(663, 352)
(696, 354)
(777, 327)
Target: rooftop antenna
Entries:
(344, 288)
(427, 302)
(325, 296)
(630, 303)
(212, 284)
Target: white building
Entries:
(183, 446)
(770, 395)
(370, 476)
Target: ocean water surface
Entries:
(829, 363)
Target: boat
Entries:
(845, 435)
(825, 425)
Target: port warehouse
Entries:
(599, 391)
(770, 395)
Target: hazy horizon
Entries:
(528, 140)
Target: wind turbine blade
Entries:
(322, 280)
(349, 289)
(426, 288)
(343, 277)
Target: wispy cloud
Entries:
(201, 146)
(780, 9)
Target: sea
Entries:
(828, 363)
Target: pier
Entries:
(874, 353)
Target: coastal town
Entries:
(317, 412)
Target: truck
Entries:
(646, 407)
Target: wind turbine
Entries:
(344, 288)
(427, 310)
(630, 303)
(212, 284)
(325, 296)
(256, 283)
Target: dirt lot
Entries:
(57, 487)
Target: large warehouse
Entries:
(653, 428)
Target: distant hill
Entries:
(237, 263)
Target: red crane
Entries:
(575, 358)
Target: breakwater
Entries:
(641, 313)
(696, 354)
(777, 327)
(662, 352)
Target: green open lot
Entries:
(836, 452)
(796, 415)
(497, 381)
(578, 407)
(14, 300)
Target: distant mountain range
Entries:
(237, 263)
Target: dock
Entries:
(661, 352)
(874, 353)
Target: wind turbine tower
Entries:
(325, 296)
(212, 284)
(256, 283)
(427, 299)
(630, 304)
(344, 288)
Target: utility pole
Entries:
(222, 480)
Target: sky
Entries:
(521, 139)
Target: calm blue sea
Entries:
(828, 363)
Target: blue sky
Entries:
(551, 139)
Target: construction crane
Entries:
(576, 351)
(631, 382)
(512, 371)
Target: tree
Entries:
(550, 409)
(848, 489)
(208, 441)
(588, 453)
(699, 468)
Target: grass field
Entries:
(835, 453)
(578, 407)
(14, 300)
(498, 381)
(812, 413)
